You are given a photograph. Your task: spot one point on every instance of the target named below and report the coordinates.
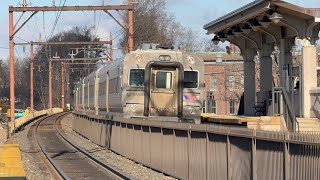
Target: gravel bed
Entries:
(33, 164)
(3, 135)
(125, 165)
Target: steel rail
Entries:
(53, 164)
(104, 165)
(42, 156)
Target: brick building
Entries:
(224, 82)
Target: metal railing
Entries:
(281, 105)
(190, 151)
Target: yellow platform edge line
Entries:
(11, 166)
(226, 117)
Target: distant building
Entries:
(224, 80)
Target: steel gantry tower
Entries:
(14, 29)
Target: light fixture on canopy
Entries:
(255, 25)
(230, 34)
(265, 22)
(275, 17)
(246, 28)
(215, 40)
(222, 37)
(237, 31)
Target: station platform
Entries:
(210, 117)
(10, 162)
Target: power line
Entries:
(18, 53)
(22, 39)
(57, 19)
(3, 47)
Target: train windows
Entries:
(102, 88)
(114, 85)
(136, 77)
(191, 79)
(91, 91)
(163, 79)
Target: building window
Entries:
(242, 83)
(232, 107)
(232, 82)
(213, 106)
(213, 83)
(204, 106)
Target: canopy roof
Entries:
(297, 19)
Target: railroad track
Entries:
(68, 160)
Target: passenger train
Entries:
(152, 83)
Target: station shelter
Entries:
(270, 31)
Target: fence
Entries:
(315, 103)
(189, 151)
(25, 119)
(284, 107)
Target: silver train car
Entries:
(152, 83)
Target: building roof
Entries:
(225, 57)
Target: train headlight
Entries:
(133, 108)
(190, 60)
(164, 58)
(191, 110)
(138, 57)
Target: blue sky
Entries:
(190, 13)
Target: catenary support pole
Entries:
(111, 50)
(50, 87)
(62, 85)
(31, 76)
(130, 24)
(11, 49)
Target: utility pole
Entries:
(50, 87)
(62, 85)
(11, 52)
(31, 75)
(111, 50)
(130, 24)
(67, 79)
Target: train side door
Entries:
(163, 98)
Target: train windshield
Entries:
(163, 80)
(136, 77)
(191, 79)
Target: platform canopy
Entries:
(265, 28)
(293, 21)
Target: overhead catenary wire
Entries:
(57, 19)
(22, 39)
(19, 57)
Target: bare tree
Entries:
(45, 52)
(153, 24)
(207, 46)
